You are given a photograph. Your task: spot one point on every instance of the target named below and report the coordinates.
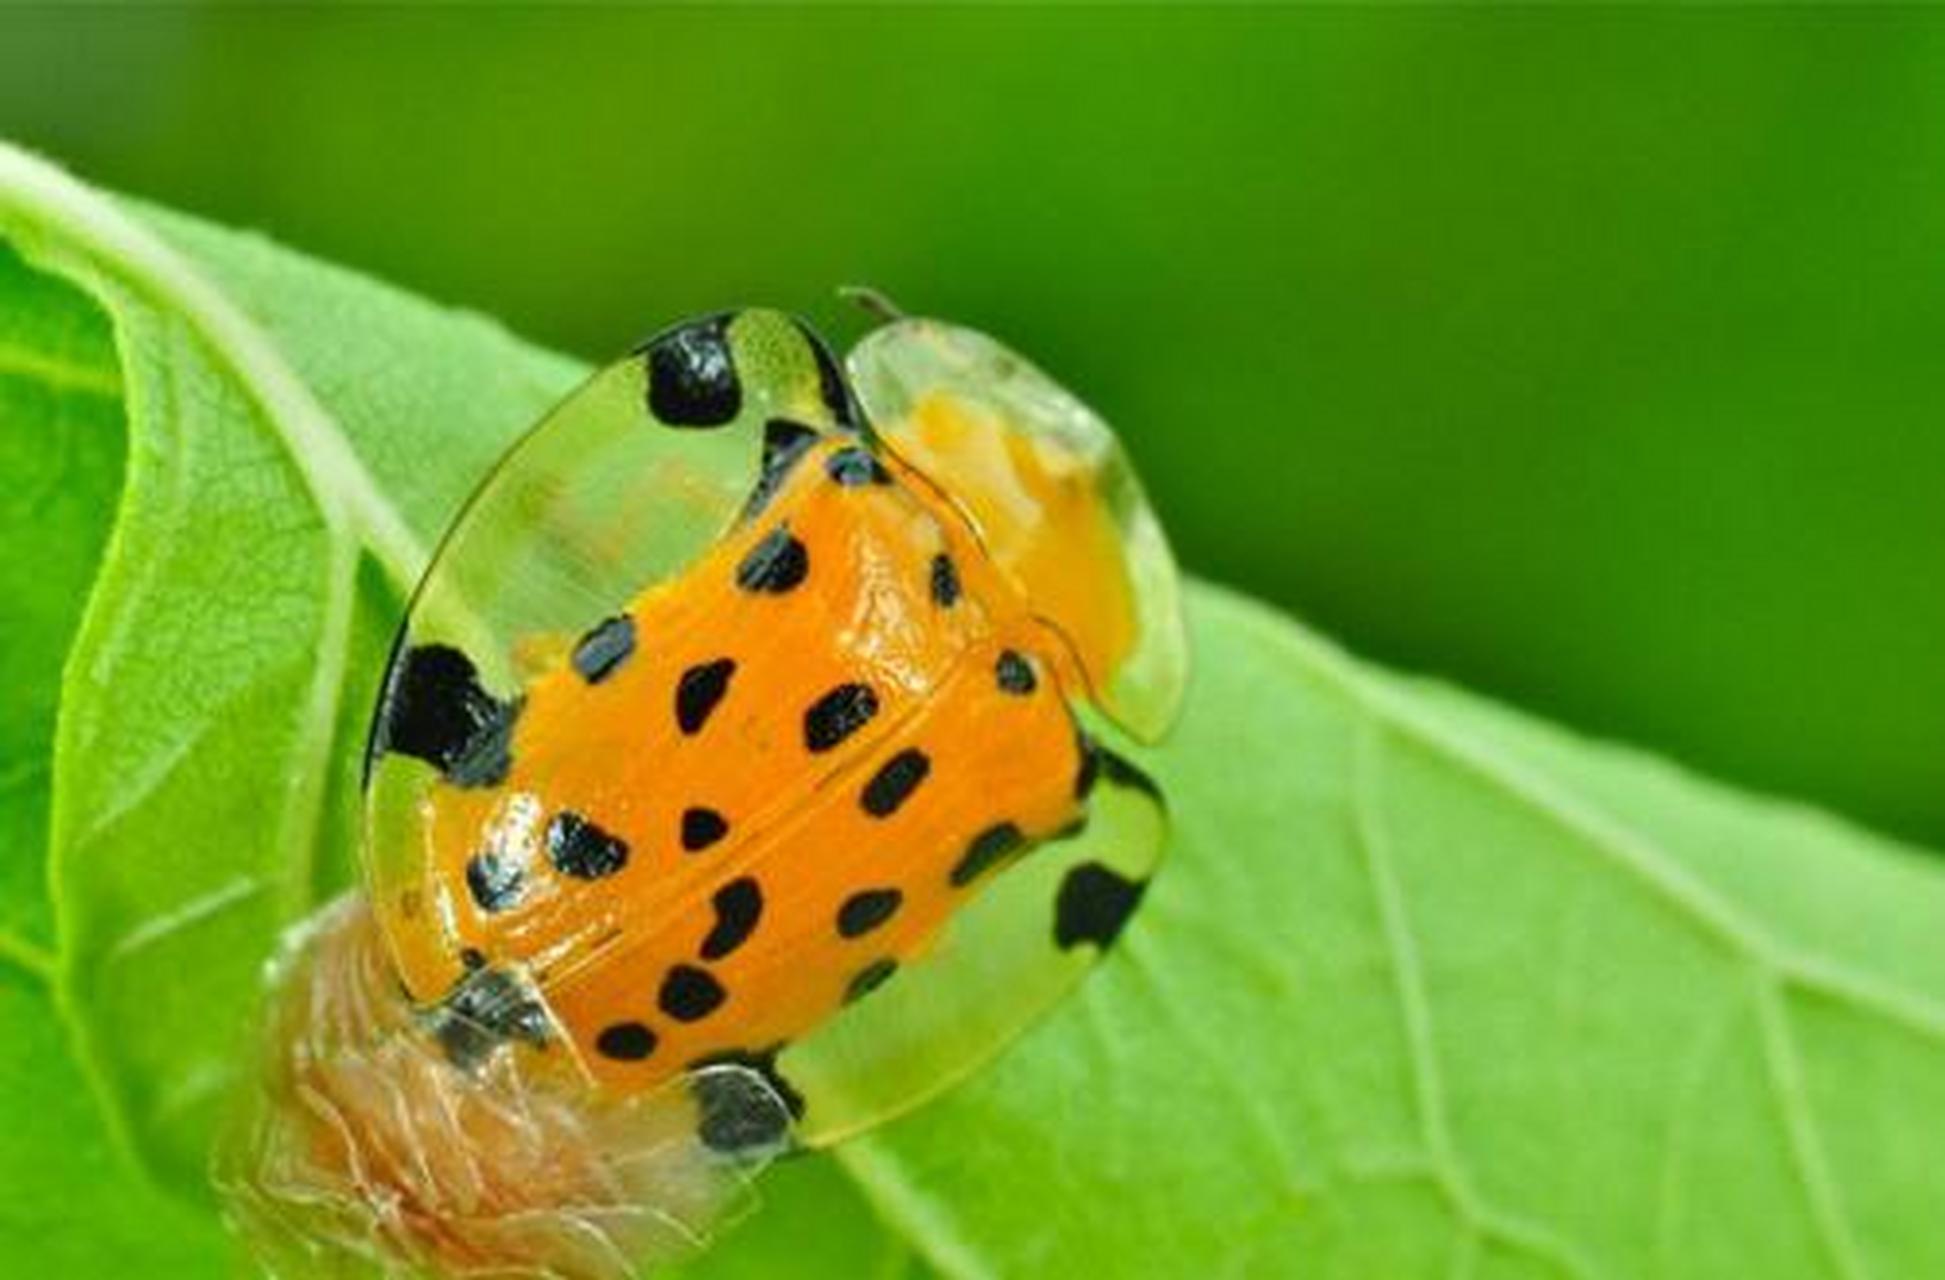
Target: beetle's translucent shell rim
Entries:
(901, 368)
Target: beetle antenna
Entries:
(871, 300)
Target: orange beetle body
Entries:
(744, 800)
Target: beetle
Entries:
(755, 738)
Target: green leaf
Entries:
(60, 397)
(1426, 987)
(60, 452)
(70, 1204)
(217, 687)
(810, 1221)
(1430, 987)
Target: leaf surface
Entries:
(1458, 993)
(71, 1204)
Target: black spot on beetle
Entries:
(731, 1119)
(435, 709)
(1089, 770)
(894, 782)
(784, 443)
(866, 910)
(1093, 905)
(832, 387)
(1075, 828)
(486, 1009)
(692, 378)
(625, 1042)
(737, 1115)
(690, 994)
(945, 581)
(488, 758)
(855, 468)
(739, 905)
(578, 847)
(764, 1063)
(699, 690)
(702, 827)
(1119, 772)
(604, 648)
(1014, 674)
(838, 714)
(869, 979)
(493, 881)
(985, 851)
(778, 563)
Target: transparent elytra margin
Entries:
(1013, 448)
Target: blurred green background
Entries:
(1588, 359)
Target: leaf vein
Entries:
(1447, 1170)
(304, 815)
(922, 1219)
(1249, 1103)
(196, 911)
(32, 959)
(1915, 1012)
(1700, 1057)
(1784, 1070)
(59, 374)
(1428, 1089)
